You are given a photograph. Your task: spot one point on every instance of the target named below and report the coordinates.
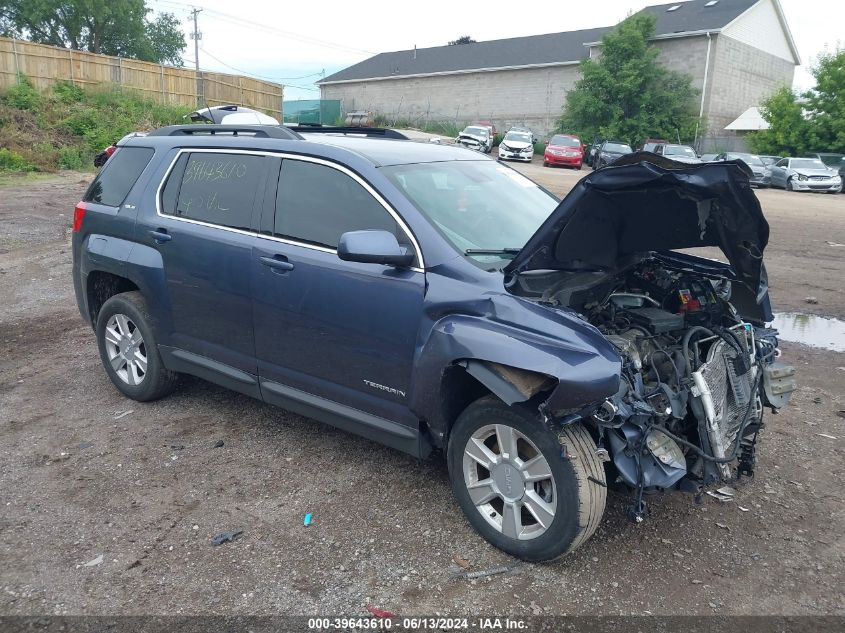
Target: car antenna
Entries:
(210, 113)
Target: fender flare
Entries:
(509, 361)
(140, 264)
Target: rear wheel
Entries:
(129, 351)
(531, 492)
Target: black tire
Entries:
(157, 381)
(789, 186)
(579, 478)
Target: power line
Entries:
(246, 72)
(267, 77)
(237, 20)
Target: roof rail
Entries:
(376, 132)
(262, 131)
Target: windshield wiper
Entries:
(492, 251)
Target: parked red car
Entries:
(490, 127)
(564, 149)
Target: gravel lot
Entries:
(87, 476)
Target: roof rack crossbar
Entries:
(378, 132)
(262, 131)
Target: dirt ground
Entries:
(89, 476)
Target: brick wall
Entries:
(532, 97)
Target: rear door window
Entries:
(215, 188)
(119, 175)
(317, 204)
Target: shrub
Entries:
(11, 161)
(67, 92)
(23, 96)
(71, 158)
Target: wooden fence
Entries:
(45, 65)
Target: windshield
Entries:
(807, 163)
(476, 205)
(618, 148)
(679, 150)
(519, 137)
(565, 141)
(833, 160)
(477, 131)
(748, 159)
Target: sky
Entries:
(294, 44)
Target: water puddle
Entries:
(812, 330)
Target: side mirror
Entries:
(373, 247)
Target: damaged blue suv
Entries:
(430, 298)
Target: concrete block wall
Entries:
(739, 76)
(532, 97)
(686, 55)
(743, 76)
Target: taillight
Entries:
(78, 214)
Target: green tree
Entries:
(463, 39)
(789, 133)
(626, 94)
(826, 102)
(111, 27)
(812, 121)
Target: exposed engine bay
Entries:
(695, 376)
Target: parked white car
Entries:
(231, 115)
(524, 130)
(516, 146)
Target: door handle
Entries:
(278, 263)
(161, 236)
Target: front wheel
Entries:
(531, 492)
(789, 185)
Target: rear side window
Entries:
(214, 188)
(317, 204)
(119, 175)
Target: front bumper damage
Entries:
(827, 185)
(525, 154)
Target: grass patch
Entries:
(12, 161)
(66, 126)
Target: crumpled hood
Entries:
(516, 144)
(643, 203)
(828, 173)
(478, 138)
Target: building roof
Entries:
(552, 49)
(533, 50)
(750, 120)
(695, 16)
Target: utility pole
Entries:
(197, 36)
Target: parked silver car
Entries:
(805, 174)
(476, 137)
(679, 153)
(762, 175)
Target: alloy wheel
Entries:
(509, 481)
(126, 350)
